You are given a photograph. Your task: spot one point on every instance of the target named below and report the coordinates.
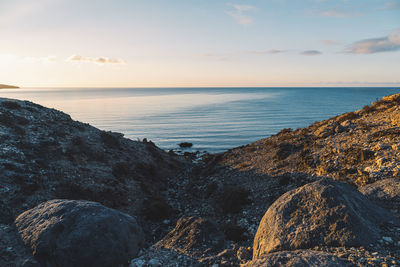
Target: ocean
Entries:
(213, 119)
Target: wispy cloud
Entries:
(239, 13)
(339, 13)
(276, 51)
(310, 53)
(27, 59)
(393, 5)
(271, 51)
(330, 42)
(98, 60)
(375, 45)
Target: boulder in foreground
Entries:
(324, 212)
(79, 233)
(298, 258)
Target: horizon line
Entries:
(167, 87)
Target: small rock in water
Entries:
(185, 145)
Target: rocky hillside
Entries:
(46, 155)
(325, 195)
(359, 147)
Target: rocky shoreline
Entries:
(325, 195)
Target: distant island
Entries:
(5, 86)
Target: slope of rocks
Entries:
(359, 147)
(45, 155)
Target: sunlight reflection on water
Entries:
(214, 119)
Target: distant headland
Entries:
(5, 86)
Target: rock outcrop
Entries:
(79, 233)
(324, 212)
(45, 155)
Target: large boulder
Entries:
(79, 233)
(385, 193)
(325, 212)
(298, 258)
(193, 236)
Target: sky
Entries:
(196, 43)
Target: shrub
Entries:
(110, 139)
(284, 180)
(368, 109)
(233, 198)
(211, 188)
(6, 119)
(120, 170)
(285, 130)
(21, 120)
(284, 150)
(346, 116)
(78, 141)
(10, 104)
(234, 232)
(156, 209)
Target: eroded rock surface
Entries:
(79, 233)
(324, 212)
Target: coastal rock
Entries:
(79, 233)
(192, 236)
(385, 193)
(44, 155)
(298, 258)
(324, 212)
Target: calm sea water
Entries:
(213, 119)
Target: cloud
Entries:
(338, 14)
(272, 51)
(27, 59)
(98, 60)
(393, 5)
(238, 13)
(376, 45)
(330, 42)
(275, 51)
(311, 53)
